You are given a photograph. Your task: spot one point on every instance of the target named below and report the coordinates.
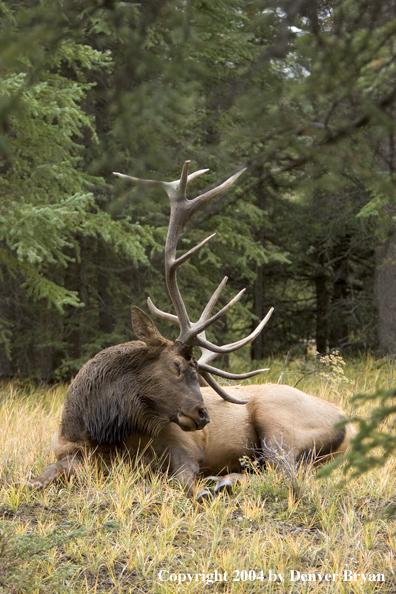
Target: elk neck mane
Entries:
(113, 396)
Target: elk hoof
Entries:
(203, 495)
(224, 485)
(34, 484)
(211, 480)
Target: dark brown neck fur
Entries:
(109, 398)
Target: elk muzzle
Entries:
(192, 421)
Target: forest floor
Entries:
(129, 532)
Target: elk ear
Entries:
(145, 328)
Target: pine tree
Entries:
(301, 94)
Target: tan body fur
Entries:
(280, 425)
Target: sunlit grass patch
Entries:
(133, 530)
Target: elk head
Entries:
(193, 333)
(169, 376)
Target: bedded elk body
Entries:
(145, 396)
(279, 426)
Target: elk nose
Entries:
(203, 417)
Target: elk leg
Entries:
(185, 468)
(66, 467)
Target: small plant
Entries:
(332, 370)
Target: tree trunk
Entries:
(385, 295)
(257, 348)
(385, 273)
(46, 354)
(322, 307)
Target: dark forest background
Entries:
(303, 93)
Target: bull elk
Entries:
(145, 395)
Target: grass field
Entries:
(131, 532)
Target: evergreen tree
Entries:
(301, 93)
(51, 208)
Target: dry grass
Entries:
(116, 533)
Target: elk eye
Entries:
(177, 365)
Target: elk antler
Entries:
(193, 333)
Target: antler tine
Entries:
(215, 386)
(193, 250)
(202, 325)
(203, 368)
(207, 355)
(162, 314)
(203, 199)
(205, 314)
(206, 372)
(213, 300)
(234, 346)
(171, 188)
(184, 179)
